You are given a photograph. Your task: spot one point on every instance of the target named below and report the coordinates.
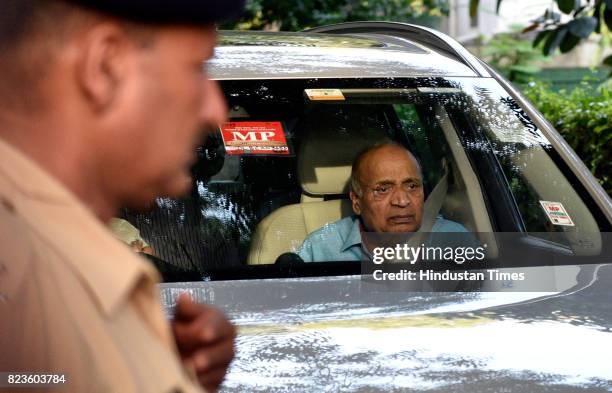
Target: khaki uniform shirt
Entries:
(73, 299)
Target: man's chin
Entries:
(402, 228)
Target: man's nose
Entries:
(214, 109)
(400, 198)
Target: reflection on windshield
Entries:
(250, 208)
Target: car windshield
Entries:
(279, 170)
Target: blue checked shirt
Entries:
(341, 240)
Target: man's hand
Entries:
(205, 339)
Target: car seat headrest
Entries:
(329, 147)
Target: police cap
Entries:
(198, 12)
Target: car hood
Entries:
(343, 334)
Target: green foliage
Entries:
(582, 116)
(568, 6)
(512, 55)
(594, 16)
(295, 15)
(608, 61)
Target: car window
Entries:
(278, 171)
(546, 194)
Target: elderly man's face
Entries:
(392, 191)
(169, 104)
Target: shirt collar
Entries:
(353, 236)
(29, 179)
(108, 269)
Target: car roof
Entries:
(285, 55)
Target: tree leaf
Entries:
(555, 16)
(567, 6)
(540, 37)
(554, 40)
(579, 10)
(474, 8)
(608, 18)
(583, 26)
(608, 61)
(569, 42)
(597, 15)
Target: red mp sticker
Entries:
(254, 137)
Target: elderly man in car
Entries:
(386, 196)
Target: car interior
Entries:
(249, 209)
(323, 170)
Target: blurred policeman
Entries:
(102, 103)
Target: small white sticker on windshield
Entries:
(324, 94)
(556, 213)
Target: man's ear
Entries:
(102, 64)
(355, 203)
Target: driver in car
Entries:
(386, 191)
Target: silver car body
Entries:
(342, 334)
